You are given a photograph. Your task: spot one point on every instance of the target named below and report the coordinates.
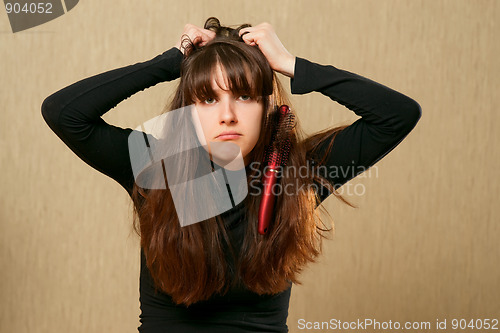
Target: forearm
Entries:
(385, 108)
(87, 100)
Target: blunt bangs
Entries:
(244, 68)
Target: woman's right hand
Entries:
(197, 35)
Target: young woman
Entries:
(220, 274)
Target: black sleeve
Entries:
(74, 113)
(387, 117)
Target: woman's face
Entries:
(227, 112)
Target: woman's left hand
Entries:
(265, 38)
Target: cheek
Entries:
(199, 123)
(255, 127)
(258, 122)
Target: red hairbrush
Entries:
(276, 156)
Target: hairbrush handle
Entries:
(268, 197)
(276, 158)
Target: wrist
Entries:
(178, 46)
(288, 66)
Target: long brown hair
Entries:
(190, 263)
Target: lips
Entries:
(228, 135)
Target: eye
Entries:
(245, 97)
(209, 101)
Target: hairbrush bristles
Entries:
(277, 152)
(276, 156)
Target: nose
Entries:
(227, 112)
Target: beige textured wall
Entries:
(423, 244)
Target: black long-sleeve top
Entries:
(74, 114)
